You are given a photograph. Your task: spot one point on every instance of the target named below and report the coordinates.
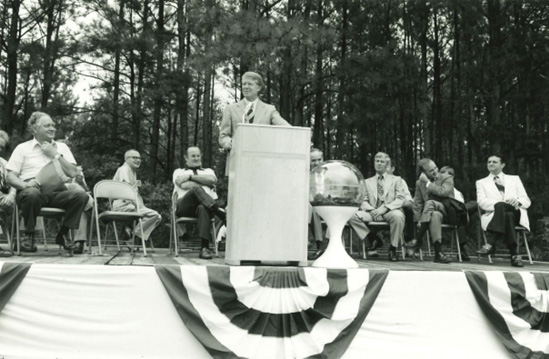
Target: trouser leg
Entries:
(30, 201)
(73, 202)
(396, 220)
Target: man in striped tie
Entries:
(504, 201)
(384, 199)
(248, 110)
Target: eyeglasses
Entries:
(135, 158)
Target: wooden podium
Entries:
(268, 195)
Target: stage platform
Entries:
(124, 305)
(162, 256)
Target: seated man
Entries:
(317, 157)
(462, 217)
(384, 199)
(25, 164)
(409, 228)
(504, 200)
(195, 188)
(432, 188)
(7, 193)
(128, 173)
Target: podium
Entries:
(268, 195)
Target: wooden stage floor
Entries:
(161, 256)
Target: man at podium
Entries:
(248, 110)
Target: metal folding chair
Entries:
(384, 226)
(185, 220)
(521, 232)
(112, 190)
(45, 213)
(454, 236)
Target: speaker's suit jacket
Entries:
(488, 195)
(233, 114)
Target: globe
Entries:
(336, 183)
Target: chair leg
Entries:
(115, 236)
(17, 229)
(527, 247)
(455, 234)
(428, 243)
(7, 237)
(143, 239)
(98, 230)
(214, 237)
(44, 236)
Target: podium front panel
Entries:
(268, 194)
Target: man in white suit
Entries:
(248, 110)
(504, 201)
(384, 199)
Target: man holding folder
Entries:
(38, 169)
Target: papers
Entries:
(50, 178)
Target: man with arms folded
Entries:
(25, 164)
(384, 199)
(195, 188)
(504, 201)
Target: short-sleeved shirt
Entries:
(28, 158)
(126, 174)
(200, 171)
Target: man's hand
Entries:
(513, 202)
(8, 200)
(33, 183)
(49, 149)
(229, 144)
(378, 213)
(423, 178)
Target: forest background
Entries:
(454, 80)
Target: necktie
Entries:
(249, 116)
(499, 185)
(380, 199)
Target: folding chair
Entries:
(454, 235)
(521, 232)
(111, 190)
(381, 225)
(185, 220)
(45, 213)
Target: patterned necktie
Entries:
(249, 116)
(499, 185)
(380, 199)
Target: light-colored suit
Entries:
(233, 114)
(394, 197)
(488, 195)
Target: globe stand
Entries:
(335, 255)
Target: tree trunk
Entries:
(116, 80)
(158, 97)
(181, 95)
(12, 55)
